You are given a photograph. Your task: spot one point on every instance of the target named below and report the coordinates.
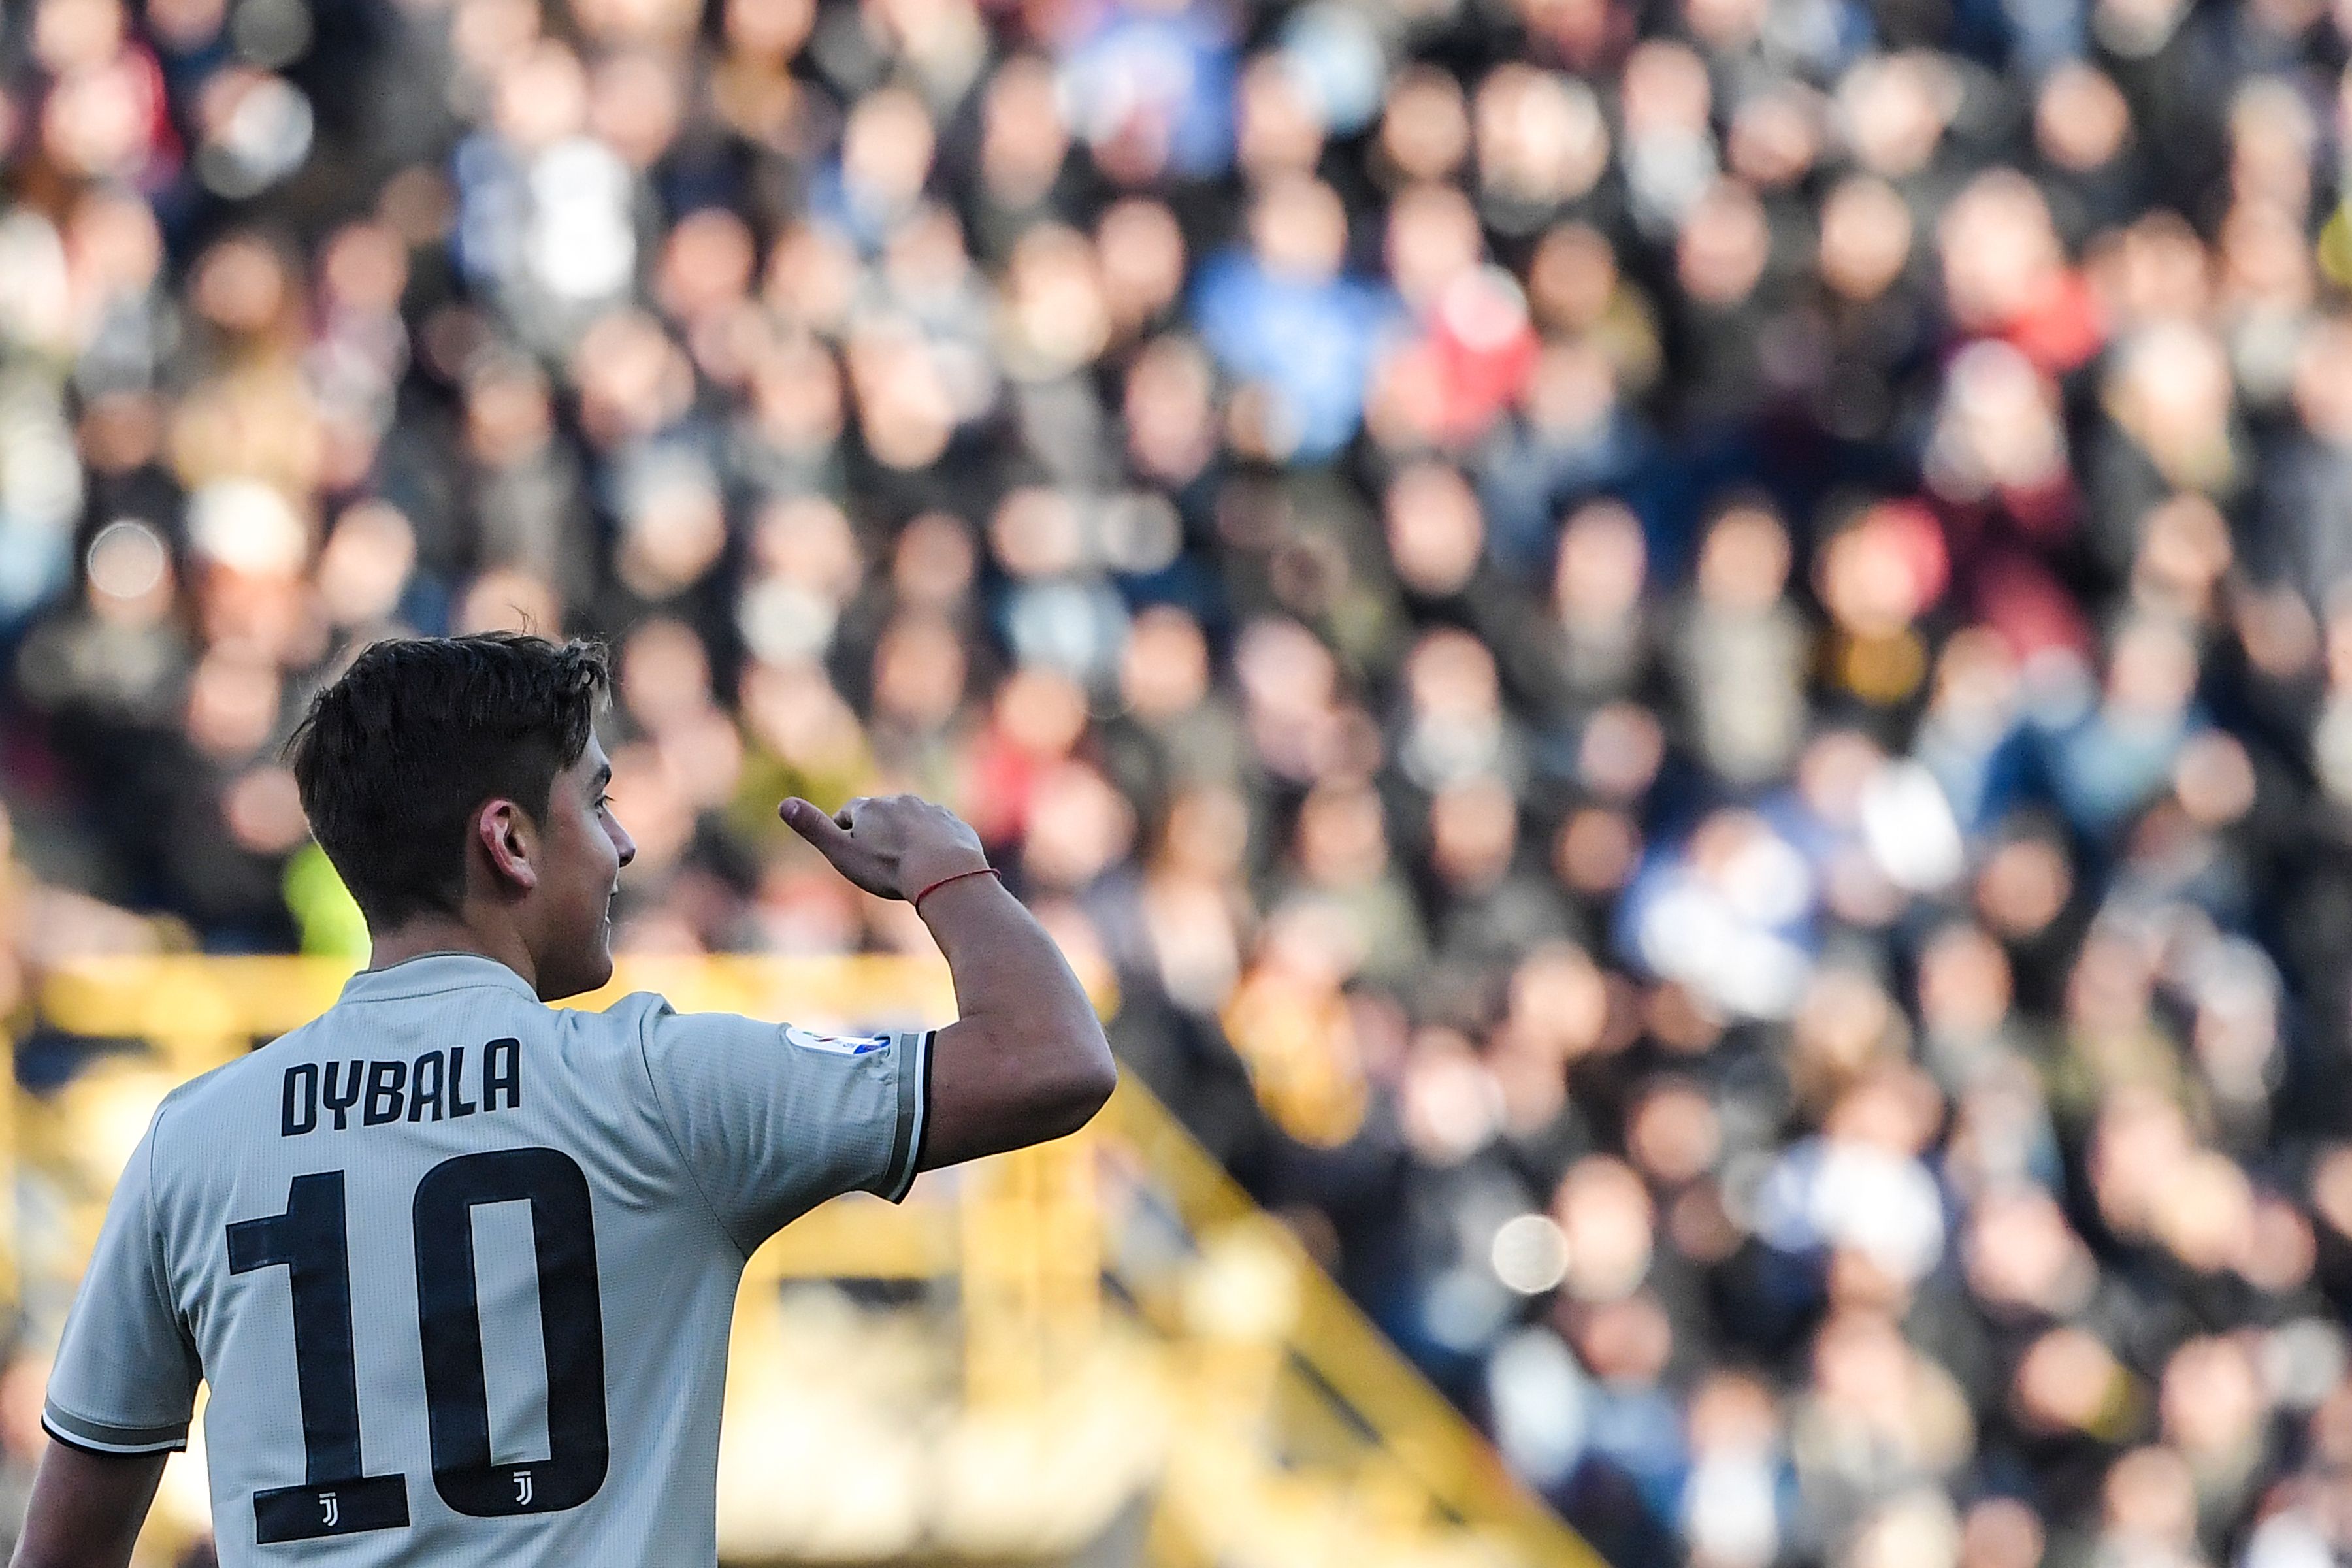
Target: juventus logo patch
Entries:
(522, 1487)
(327, 1501)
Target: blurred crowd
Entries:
(1693, 659)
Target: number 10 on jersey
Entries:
(311, 1240)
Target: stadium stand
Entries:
(1691, 657)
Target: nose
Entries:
(622, 842)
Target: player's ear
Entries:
(506, 836)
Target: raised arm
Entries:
(1027, 1060)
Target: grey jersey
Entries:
(460, 1267)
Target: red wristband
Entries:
(976, 871)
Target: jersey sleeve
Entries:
(126, 1372)
(772, 1120)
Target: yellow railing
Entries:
(1262, 1419)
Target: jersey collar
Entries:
(432, 971)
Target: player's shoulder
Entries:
(190, 1100)
(731, 1047)
(627, 1015)
(669, 1034)
(626, 1024)
(659, 1024)
(188, 1123)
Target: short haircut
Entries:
(393, 759)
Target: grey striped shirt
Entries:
(459, 1268)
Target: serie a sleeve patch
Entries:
(838, 1045)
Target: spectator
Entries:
(1694, 661)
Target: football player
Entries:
(459, 1267)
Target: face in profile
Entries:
(582, 849)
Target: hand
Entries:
(892, 845)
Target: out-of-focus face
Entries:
(1539, 137)
(2210, 1396)
(637, 105)
(583, 847)
(1964, 982)
(1894, 109)
(1434, 529)
(2001, 1532)
(2274, 139)
(1608, 1217)
(920, 671)
(1776, 135)
(933, 562)
(1724, 242)
(508, 416)
(2152, 669)
(706, 264)
(2171, 388)
(771, 30)
(1666, 91)
(1865, 237)
(1744, 564)
(671, 536)
(924, 261)
(2024, 886)
(1474, 829)
(1999, 251)
(1450, 675)
(186, 25)
(505, 599)
(2151, 1502)
(2080, 120)
(888, 146)
(1053, 301)
(1164, 670)
(2021, 1258)
(2323, 383)
(1299, 230)
(241, 286)
(365, 566)
(1079, 827)
(1602, 563)
(542, 96)
(665, 675)
(1425, 129)
(67, 34)
(632, 379)
(113, 242)
(1280, 127)
(796, 395)
(647, 22)
(1141, 251)
(1342, 838)
(1171, 432)
(1573, 277)
(811, 277)
(1433, 238)
(1674, 1133)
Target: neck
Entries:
(421, 934)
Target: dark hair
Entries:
(393, 759)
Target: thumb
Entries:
(832, 839)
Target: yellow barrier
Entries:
(1237, 1385)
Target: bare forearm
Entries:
(1023, 1017)
(1003, 962)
